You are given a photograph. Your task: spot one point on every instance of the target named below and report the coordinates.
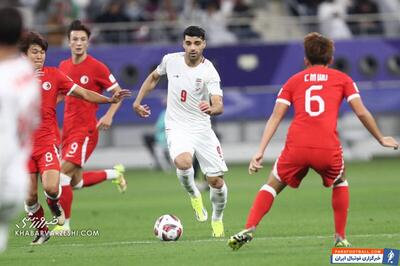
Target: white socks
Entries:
(33, 208)
(111, 174)
(65, 180)
(66, 223)
(186, 177)
(218, 197)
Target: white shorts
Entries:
(14, 178)
(204, 144)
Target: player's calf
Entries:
(56, 210)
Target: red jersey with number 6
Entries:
(316, 94)
(80, 115)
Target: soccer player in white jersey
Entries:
(194, 94)
(19, 102)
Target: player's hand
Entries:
(256, 163)
(205, 107)
(142, 110)
(104, 123)
(120, 95)
(39, 73)
(389, 142)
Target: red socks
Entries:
(265, 198)
(93, 177)
(89, 178)
(261, 205)
(38, 220)
(340, 205)
(66, 200)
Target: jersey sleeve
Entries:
(105, 78)
(285, 94)
(65, 84)
(350, 89)
(162, 67)
(213, 82)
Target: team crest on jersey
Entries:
(84, 79)
(199, 84)
(46, 85)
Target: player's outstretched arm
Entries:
(273, 122)
(106, 120)
(370, 124)
(216, 107)
(148, 85)
(95, 97)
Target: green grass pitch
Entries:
(297, 231)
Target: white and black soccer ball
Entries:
(168, 227)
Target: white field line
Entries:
(139, 242)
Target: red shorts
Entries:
(78, 150)
(44, 158)
(293, 164)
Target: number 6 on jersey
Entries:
(315, 98)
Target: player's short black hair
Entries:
(194, 31)
(10, 26)
(32, 38)
(77, 25)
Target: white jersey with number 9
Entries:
(187, 86)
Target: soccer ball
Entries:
(168, 227)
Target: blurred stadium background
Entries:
(255, 44)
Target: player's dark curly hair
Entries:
(194, 31)
(32, 38)
(318, 49)
(10, 25)
(77, 25)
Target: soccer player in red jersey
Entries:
(80, 129)
(312, 141)
(44, 159)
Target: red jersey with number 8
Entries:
(316, 94)
(53, 82)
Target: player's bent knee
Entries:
(183, 164)
(51, 191)
(215, 181)
(183, 161)
(69, 168)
